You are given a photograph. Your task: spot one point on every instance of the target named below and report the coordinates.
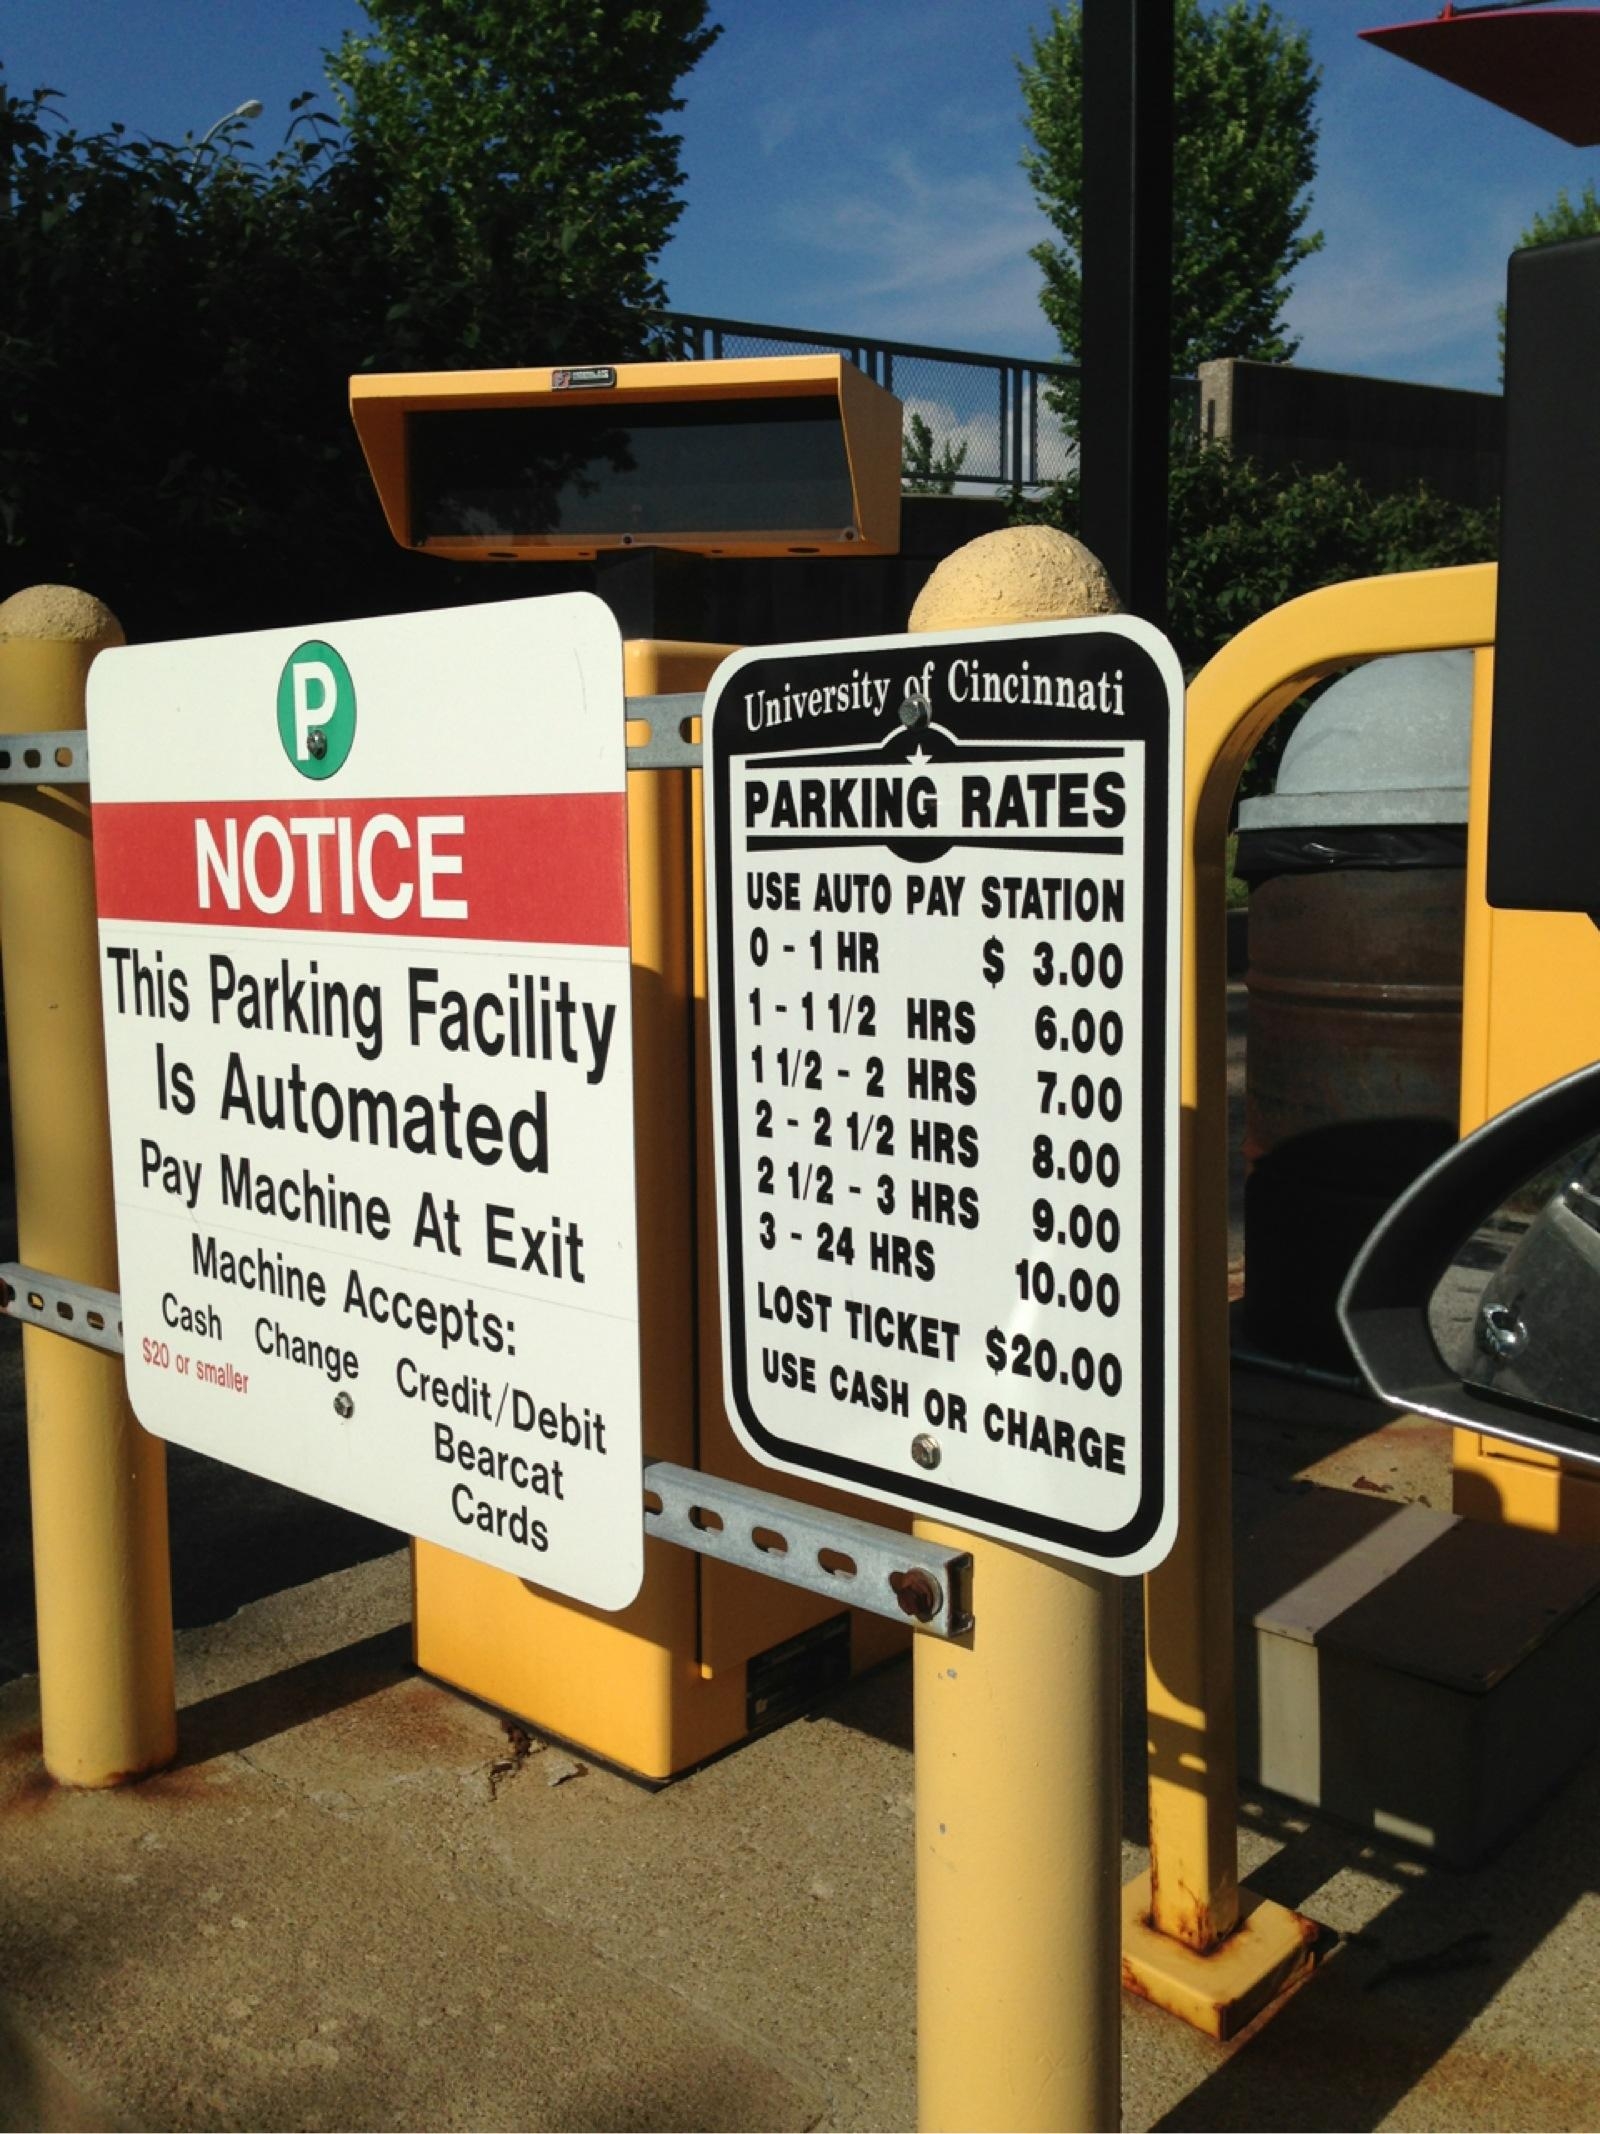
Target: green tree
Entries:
(1244, 154)
(178, 328)
(170, 397)
(1566, 218)
(512, 163)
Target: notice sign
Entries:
(945, 991)
(364, 960)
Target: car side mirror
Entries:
(1477, 1298)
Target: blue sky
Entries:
(853, 164)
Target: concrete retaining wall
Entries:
(1391, 434)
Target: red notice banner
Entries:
(504, 867)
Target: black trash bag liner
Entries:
(1386, 847)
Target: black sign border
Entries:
(1147, 719)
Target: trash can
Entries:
(1356, 866)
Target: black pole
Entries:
(1125, 423)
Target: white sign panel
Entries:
(364, 955)
(945, 997)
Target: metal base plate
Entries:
(1268, 1953)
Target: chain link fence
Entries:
(971, 421)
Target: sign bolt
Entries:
(925, 1450)
(915, 710)
(1501, 1331)
(917, 1594)
(317, 741)
(343, 1407)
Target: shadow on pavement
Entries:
(235, 1538)
(237, 1719)
(1378, 2018)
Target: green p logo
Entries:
(316, 709)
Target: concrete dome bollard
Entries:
(1020, 574)
(58, 614)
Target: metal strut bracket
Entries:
(850, 1560)
(63, 758)
(70, 1308)
(45, 759)
(669, 747)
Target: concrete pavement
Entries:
(360, 1901)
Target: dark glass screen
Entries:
(672, 467)
(1544, 759)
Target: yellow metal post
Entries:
(1018, 1786)
(99, 1483)
(1018, 1742)
(1192, 1907)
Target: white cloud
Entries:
(855, 167)
(1376, 312)
(926, 255)
(1418, 231)
(1407, 298)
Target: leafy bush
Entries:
(1243, 540)
(927, 469)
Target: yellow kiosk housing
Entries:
(791, 456)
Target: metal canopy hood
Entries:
(1544, 67)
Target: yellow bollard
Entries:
(1019, 1855)
(99, 1483)
(1018, 1752)
(1194, 1941)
